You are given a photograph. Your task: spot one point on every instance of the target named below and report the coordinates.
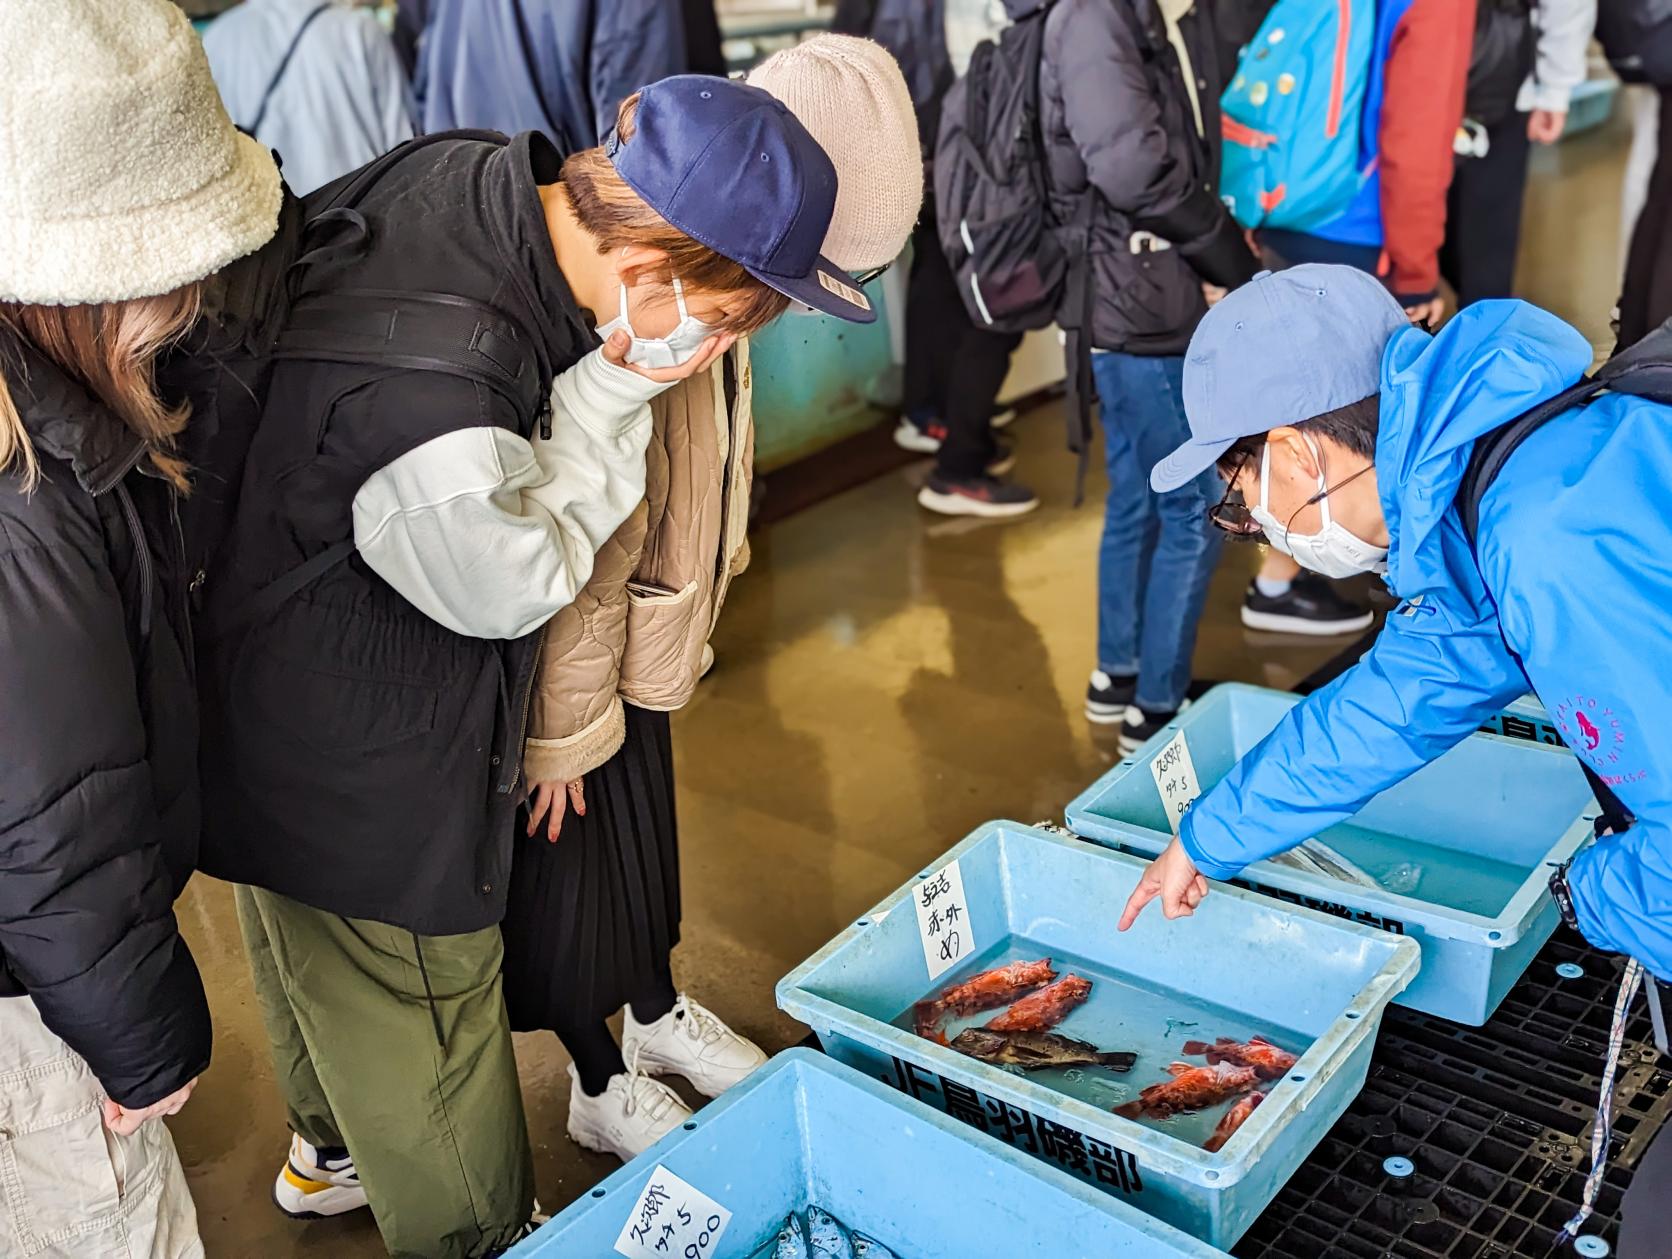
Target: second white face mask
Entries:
(1335, 550)
(673, 350)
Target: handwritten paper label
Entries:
(1175, 779)
(943, 920)
(672, 1218)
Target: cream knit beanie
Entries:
(850, 95)
(120, 174)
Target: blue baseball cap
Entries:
(1285, 347)
(732, 168)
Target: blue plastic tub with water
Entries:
(1527, 720)
(1245, 965)
(1462, 849)
(805, 1130)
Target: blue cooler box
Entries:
(1244, 965)
(808, 1131)
(1468, 843)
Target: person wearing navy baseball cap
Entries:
(479, 331)
(1516, 507)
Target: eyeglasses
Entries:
(1232, 515)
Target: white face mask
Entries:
(678, 347)
(1335, 550)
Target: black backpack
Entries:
(1504, 49)
(991, 197)
(1644, 371)
(1018, 268)
(1637, 36)
(410, 331)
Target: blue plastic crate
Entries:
(806, 1130)
(1485, 823)
(1244, 963)
(1526, 720)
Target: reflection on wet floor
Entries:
(886, 682)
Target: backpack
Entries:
(1290, 117)
(1501, 58)
(993, 216)
(408, 331)
(1637, 36)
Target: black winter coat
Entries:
(99, 808)
(1117, 118)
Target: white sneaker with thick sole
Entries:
(632, 1114)
(691, 1041)
(316, 1183)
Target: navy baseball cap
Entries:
(733, 169)
(1285, 347)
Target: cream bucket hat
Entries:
(850, 95)
(120, 174)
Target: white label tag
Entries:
(943, 920)
(672, 1218)
(1175, 778)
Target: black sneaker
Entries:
(1107, 698)
(979, 496)
(1140, 727)
(1309, 606)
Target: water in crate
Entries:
(1113, 1016)
(821, 1236)
(1470, 882)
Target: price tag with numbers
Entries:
(1175, 778)
(943, 920)
(672, 1219)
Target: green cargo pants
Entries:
(397, 1046)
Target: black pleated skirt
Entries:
(591, 920)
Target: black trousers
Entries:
(954, 370)
(1483, 215)
(1646, 302)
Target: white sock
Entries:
(1272, 589)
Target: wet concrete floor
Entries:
(886, 682)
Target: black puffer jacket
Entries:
(1117, 117)
(99, 809)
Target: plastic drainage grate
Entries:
(1494, 1121)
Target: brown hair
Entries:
(111, 348)
(616, 217)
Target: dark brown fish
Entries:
(1044, 1009)
(1231, 1121)
(986, 991)
(1035, 1051)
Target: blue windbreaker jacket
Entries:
(1573, 581)
(561, 67)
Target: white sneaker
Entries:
(315, 1184)
(632, 1114)
(690, 1041)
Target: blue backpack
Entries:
(1291, 114)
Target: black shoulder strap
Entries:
(276, 593)
(284, 64)
(1645, 370)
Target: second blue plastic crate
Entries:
(1464, 845)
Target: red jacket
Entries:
(1422, 106)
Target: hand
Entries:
(1213, 293)
(548, 802)
(1427, 314)
(124, 1122)
(615, 352)
(1173, 877)
(1545, 126)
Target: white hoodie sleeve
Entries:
(490, 535)
(1564, 36)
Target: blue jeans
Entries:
(1159, 550)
